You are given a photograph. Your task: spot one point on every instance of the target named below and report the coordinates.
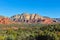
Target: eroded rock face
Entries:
(26, 17)
(5, 20)
(31, 18)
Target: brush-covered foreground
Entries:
(30, 32)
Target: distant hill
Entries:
(45, 17)
(2, 16)
(57, 19)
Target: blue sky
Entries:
(50, 8)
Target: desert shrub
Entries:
(30, 32)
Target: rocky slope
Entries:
(28, 18)
(5, 20)
(32, 18)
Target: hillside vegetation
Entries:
(25, 31)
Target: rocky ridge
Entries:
(27, 18)
(32, 18)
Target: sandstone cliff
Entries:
(31, 18)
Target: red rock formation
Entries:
(47, 21)
(5, 21)
(32, 18)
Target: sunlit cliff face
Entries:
(32, 18)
